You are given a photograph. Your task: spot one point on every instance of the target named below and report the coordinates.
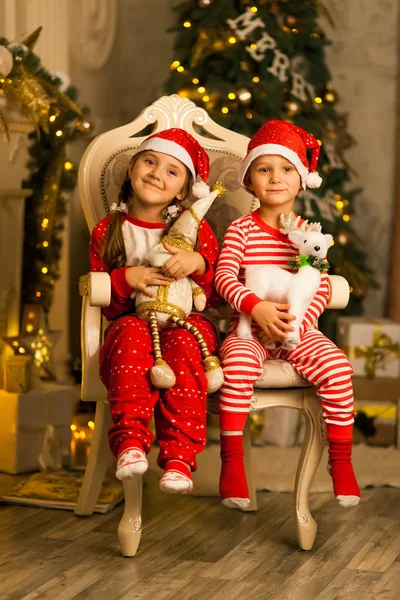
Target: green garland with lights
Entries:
(59, 120)
(247, 61)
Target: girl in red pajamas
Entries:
(159, 178)
(274, 170)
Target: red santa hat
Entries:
(183, 146)
(289, 141)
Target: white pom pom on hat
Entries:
(313, 180)
(200, 189)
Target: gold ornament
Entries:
(84, 126)
(290, 21)
(39, 344)
(330, 95)
(343, 238)
(292, 108)
(244, 95)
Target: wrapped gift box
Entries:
(34, 426)
(371, 345)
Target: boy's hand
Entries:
(267, 339)
(183, 263)
(140, 277)
(270, 316)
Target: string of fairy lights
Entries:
(250, 48)
(292, 107)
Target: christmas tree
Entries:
(249, 61)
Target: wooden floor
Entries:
(193, 548)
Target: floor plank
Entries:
(194, 548)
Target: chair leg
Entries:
(99, 459)
(130, 526)
(309, 460)
(248, 465)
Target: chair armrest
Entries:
(97, 287)
(339, 292)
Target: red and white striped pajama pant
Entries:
(180, 412)
(316, 358)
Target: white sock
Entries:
(131, 462)
(176, 479)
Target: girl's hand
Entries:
(183, 263)
(271, 317)
(140, 277)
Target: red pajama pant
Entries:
(180, 412)
(316, 358)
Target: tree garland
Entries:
(59, 120)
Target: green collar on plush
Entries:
(308, 261)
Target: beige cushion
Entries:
(279, 373)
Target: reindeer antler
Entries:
(290, 222)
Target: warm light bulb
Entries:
(195, 80)
(231, 96)
(187, 24)
(346, 217)
(68, 166)
(38, 294)
(45, 244)
(318, 100)
(21, 350)
(59, 133)
(91, 424)
(201, 89)
(29, 328)
(232, 40)
(206, 98)
(254, 9)
(44, 269)
(52, 118)
(256, 79)
(180, 69)
(224, 110)
(73, 427)
(339, 204)
(45, 222)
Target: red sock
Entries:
(179, 466)
(232, 483)
(341, 469)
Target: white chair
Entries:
(100, 175)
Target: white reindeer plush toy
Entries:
(297, 289)
(173, 303)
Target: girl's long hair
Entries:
(113, 250)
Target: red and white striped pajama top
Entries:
(250, 241)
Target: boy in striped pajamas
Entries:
(275, 170)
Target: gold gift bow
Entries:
(382, 349)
